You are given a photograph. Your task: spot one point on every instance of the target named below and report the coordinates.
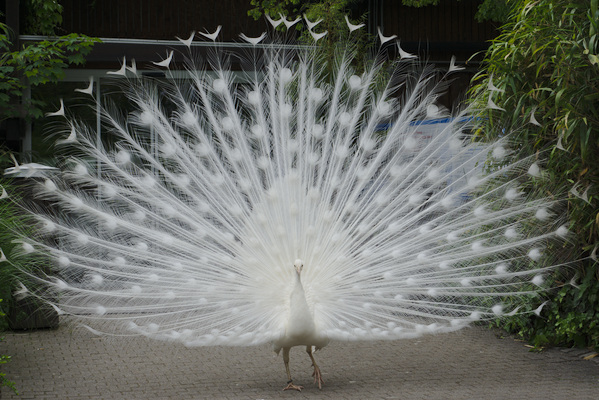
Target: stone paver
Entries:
(471, 364)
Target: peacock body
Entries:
(294, 206)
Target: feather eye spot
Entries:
(219, 86)
(355, 82)
(254, 98)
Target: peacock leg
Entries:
(290, 384)
(317, 375)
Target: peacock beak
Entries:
(298, 264)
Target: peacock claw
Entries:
(317, 377)
(291, 386)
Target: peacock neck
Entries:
(298, 297)
(301, 321)
(298, 279)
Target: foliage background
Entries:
(33, 64)
(546, 64)
(36, 63)
(494, 10)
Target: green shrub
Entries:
(545, 64)
(3, 360)
(18, 266)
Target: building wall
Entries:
(443, 30)
(440, 31)
(159, 19)
(435, 33)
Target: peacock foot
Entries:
(317, 377)
(291, 386)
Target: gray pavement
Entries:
(471, 364)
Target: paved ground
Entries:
(471, 364)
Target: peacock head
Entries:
(298, 264)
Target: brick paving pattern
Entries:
(471, 364)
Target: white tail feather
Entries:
(404, 227)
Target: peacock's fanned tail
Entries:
(183, 223)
